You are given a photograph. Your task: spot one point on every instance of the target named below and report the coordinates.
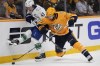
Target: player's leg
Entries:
(37, 35)
(77, 45)
(60, 41)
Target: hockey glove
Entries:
(72, 20)
(44, 30)
(38, 46)
(29, 18)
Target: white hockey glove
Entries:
(38, 46)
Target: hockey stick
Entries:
(55, 43)
(62, 49)
(34, 48)
(21, 55)
(26, 52)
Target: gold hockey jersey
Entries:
(58, 26)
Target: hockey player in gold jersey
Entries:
(58, 23)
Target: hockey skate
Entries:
(40, 57)
(13, 42)
(87, 55)
(90, 58)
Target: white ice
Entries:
(68, 60)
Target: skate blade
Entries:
(91, 61)
(39, 60)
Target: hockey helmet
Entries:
(29, 3)
(50, 11)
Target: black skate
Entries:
(87, 55)
(14, 42)
(90, 58)
(40, 57)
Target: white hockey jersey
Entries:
(38, 13)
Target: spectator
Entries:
(50, 3)
(19, 6)
(36, 1)
(72, 4)
(99, 6)
(90, 2)
(60, 6)
(2, 9)
(11, 11)
(96, 6)
(83, 8)
(39, 2)
(54, 1)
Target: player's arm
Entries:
(29, 18)
(32, 20)
(72, 19)
(43, 26)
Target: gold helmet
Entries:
(50, 11)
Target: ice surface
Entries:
(68, 60)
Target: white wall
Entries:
(84, 31)
(83, 36)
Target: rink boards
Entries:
(86, 30)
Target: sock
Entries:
(78, 46)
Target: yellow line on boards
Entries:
(12, 20)
(21, 20)
(7, 59)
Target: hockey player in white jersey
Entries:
(34, 15)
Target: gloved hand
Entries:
(14, 42)
(29, 18)
(38, 46)
(44, 30)
(72, 20)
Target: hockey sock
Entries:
(78, 46)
